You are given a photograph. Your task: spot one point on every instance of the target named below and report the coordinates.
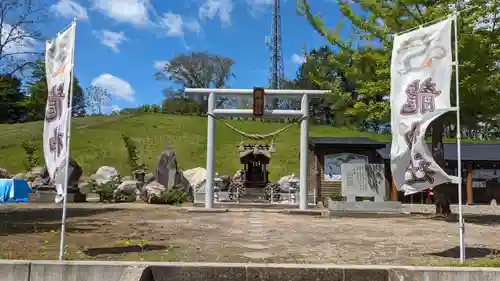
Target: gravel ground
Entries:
(134, 231)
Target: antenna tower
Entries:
(276, 76)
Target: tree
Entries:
(96, 98)
(79, 104)
(181, 105)
(19, 34)
(11, 98)
(313, 74)
(197, 70)
(367, 62)
(38, 92)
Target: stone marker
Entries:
(166, 170)
(363, 180)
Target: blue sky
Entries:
(120, 43)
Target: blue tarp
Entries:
(14, 190)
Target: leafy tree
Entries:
(79, 103)
(96, 98)
(197, 70)
(20, 21)
(133, 158)
(313, 74)
(11, 98)
(367, 61)
(32, 159)
(38, 92)
(149, 108)
(181, 106)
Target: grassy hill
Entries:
(96, 141)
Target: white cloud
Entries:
(259, 5)
(193, 26)
(69, 9)
(260, 2)
(298, 59)
(110, 38)
(221, 8)
(116, 87)
(176, 25)
(131, 11)
(160, 64)
(173, 24)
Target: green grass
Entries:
(96, 141)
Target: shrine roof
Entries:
(487, 152)
(345, 142)
(263, 152)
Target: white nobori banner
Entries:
(58, 70)
(421, 69)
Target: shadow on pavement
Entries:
(18, 221)
(470, 252)
(122, 250)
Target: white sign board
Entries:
(363, 180)
(333, 164)
(485, 174)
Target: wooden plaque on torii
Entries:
(258, 102)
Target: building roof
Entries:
(470, 151)
(346, 141)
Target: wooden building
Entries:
(480, 163)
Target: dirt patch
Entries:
(160, 233)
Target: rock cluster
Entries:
(145, 186)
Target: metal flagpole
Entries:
(459, 150)
(68, 139)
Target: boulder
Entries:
(166, 169)
(85, 187)
(149, 177)
(127, 178)
(104, 175)
(38, 172)
(285, 182)
(152, 191)
(126, 188)
(182, 182)
(196, 178)
(19, 176)
(75, 172)
(4, 174)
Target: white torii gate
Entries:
(212, 111)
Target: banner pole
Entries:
(459, 150)
(68, 139)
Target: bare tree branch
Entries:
(20, 34)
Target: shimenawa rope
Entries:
(256, 136)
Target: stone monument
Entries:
(166, 170)
(363, 180)
(362, 183)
